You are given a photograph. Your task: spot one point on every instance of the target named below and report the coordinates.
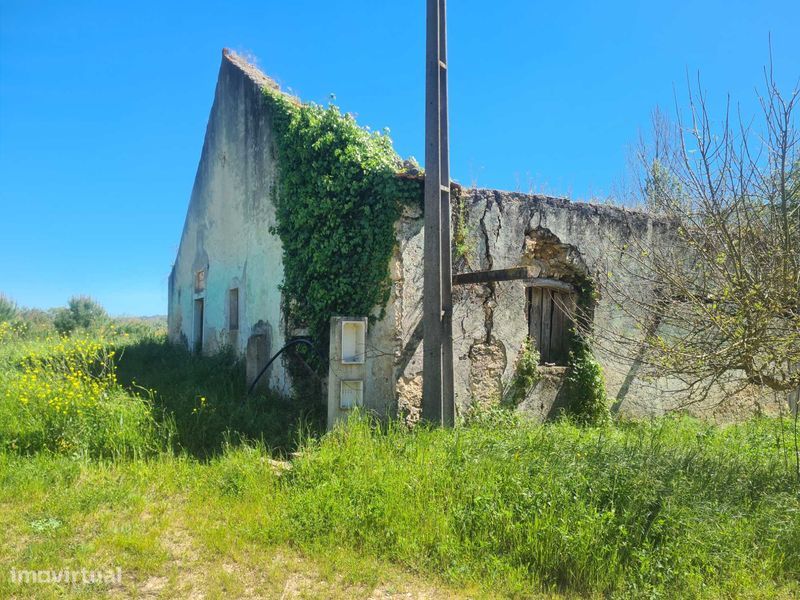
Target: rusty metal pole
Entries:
(438, 405)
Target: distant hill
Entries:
(150, 320)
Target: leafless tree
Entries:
(715, 297)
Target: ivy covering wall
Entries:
(338, 197)
(340, 192)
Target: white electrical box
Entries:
(347, 371)
(351, 393)
(354, 335)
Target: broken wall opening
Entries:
(553, 296)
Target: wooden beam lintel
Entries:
(553, 284)
(494, 275)
(514, 273)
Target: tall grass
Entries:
(670, 508)
(666, 508)
(61, 394)
(206, 398)
(106, 393)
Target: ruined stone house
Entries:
(225, 285)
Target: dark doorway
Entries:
(233, 309)
(198, 325)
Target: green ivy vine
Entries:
(339, 193)
(584, 381)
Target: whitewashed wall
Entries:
(227, 227)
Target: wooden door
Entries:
(549, 321)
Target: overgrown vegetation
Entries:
(205, 398)
(526, 374)
(501, 506)
(338, 199)
(585, 386)
(118, 388)
(8, 309)
(61, 395)
(667, 508)
(81, 312)
(670, 508)
(584, 381)
(461, 230)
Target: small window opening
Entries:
(550, 318)
(200, 281)
(233, 309)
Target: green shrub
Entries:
(585, 386)
(82, 312)
(36, 323)
(526, 373)
(8, 309)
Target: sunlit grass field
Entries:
(119, 450)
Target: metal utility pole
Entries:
(438, 401)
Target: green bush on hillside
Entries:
(82, 312)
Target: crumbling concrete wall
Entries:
(227, 235)
(560, 240)
(227, 228)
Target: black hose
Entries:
(294, 342)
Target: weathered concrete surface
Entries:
(227, 234)
(561, 240)
(545, 400)
(227, 228)
(340, 371)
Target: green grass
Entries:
(647, 509)
(206, 399)
(62, 395)
(111, 394)
(496, 507)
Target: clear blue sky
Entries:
(103, 106)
